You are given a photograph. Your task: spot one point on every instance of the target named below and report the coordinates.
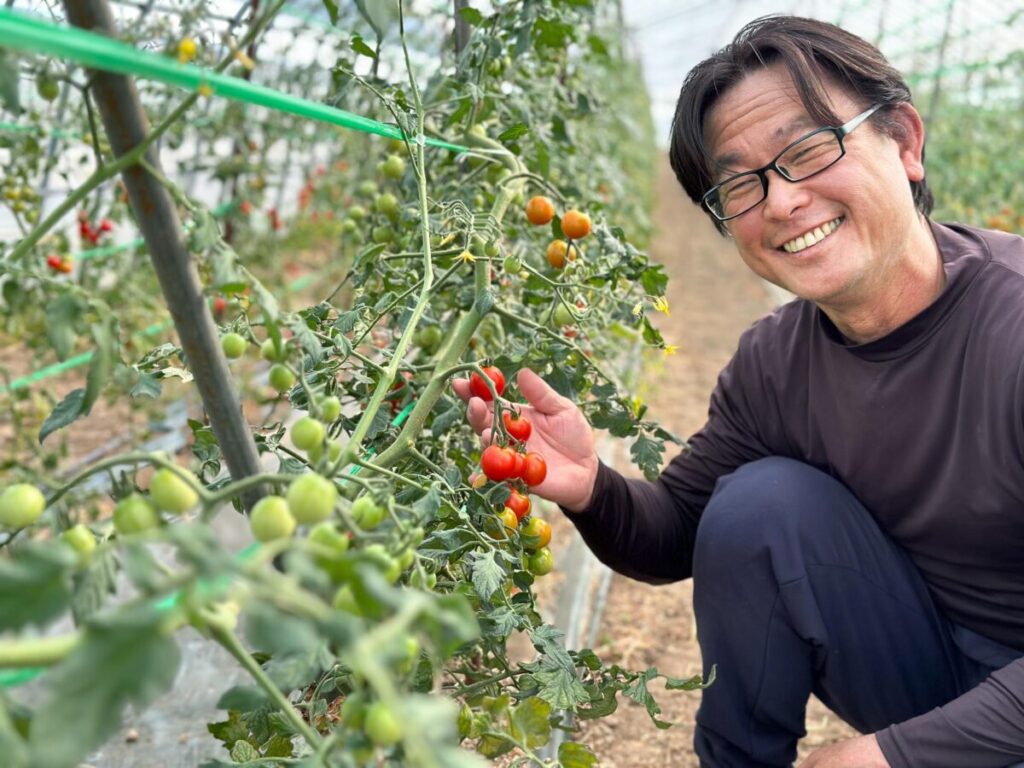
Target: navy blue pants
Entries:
(798, 591)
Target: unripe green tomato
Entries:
(311, 498)
(47, 88)
(387, 204)
(82, 540)
(353, 710)
(416, 536)
(512, 265)
(465, 721)
(367, 514)
(349, 226)
(171, 492)
(381, 725)
(393, 167)
(562, 315)
(20, 505)
(233, 345)
(406, 558)
(327, 534)
(357, 213)
(333, 450)
(385, 563)
(429, 338)
(492, 249)
(307, 432)
(345, 600)
(410, 654)
(271, 519)
(271, 352)
(382, 234)
(367, 188)
(281, 378)
(330, 409)
(541, 562)
(423, 579)
(478, 130)
(134, 514)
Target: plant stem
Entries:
(38, 651)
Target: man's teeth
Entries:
(808, 239)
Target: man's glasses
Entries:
(808, 155)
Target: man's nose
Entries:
(784, 197)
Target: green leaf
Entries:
(268, 629)
(550, 33)
(445, 420)
(694, 683)
(62, 314)
(555, 672)
(487, 574)
(597, 45)
(35, 585)
(242, 752)
(147, 385)
(515, 132)
(129, 659)
(67, 410)
(471, 15)
(92, 586)
(242, 698)
(618, 422)
(654, 280)
(530, 722)
(646, 453)
(105, 338)
(359, 46)
(638, 692)
(229, 731)
(574, 755)
(332, 10)
(651, 334)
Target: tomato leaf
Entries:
(516, 131)
(471, 15)
(128, 659)
(34, 585)
(360, 46)
(67, 410)
(530, 722)
(12, 746)
(92, 586)
(555, 672)
(243, 698)
(487, 574)
(147, 385)
(332, 10)
(694, 683)
(638, 692)
(104, 335)
(572, 754)
(62, 314)
(646, 453)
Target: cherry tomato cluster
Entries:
(275, 219)
(507, 464)
(88, 232)
(575, 226)
(59, 264)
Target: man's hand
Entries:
(861, 752)
(560, 433)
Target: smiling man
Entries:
(852, 513)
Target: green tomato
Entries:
(492, 249)
(307, 432)
(345, 600)
(357, 212)
(82, 540)
(47, 88)
(330, 409)
(512, 265)
(406, 558)
(387, 204)
(328, 535)
(20, 505)
(233, 345)
(382, 234)
(381, 725)
(171, 492)
(541, 562)
(271, 352)
(281, 378)
(271, 519)
(562, 315)
(367, 514)
(353, 710)
(134, 514)
(349, 226)
(423, 579)
(388, 566)
(393, 167)
(367, 188)
(311, 498)
(429, 338)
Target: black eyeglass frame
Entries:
(840, 132)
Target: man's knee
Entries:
(762, 502)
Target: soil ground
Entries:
(713, 297)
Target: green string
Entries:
(97, 51)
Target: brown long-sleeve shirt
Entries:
(926, 428)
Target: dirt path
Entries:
(713, 297)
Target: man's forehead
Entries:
(780, 136)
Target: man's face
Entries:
(867, 192)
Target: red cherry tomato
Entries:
(517, 426)
(479, 388)
(535, 469)
(519, 503)
(497, 462)
(520, 464)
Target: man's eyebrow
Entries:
(731, 160)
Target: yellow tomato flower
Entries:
(187, 50)
(661, 304)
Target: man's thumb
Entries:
(539, 394)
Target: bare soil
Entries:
(713, 297)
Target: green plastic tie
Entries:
(96, 51)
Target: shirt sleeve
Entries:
(646, 530)
(983, 728)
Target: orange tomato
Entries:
(575, 225)
(540, 210)
(558, 251)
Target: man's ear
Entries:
(910, 138)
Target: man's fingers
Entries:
(479, 415)
(461, 387)
(539, 394)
